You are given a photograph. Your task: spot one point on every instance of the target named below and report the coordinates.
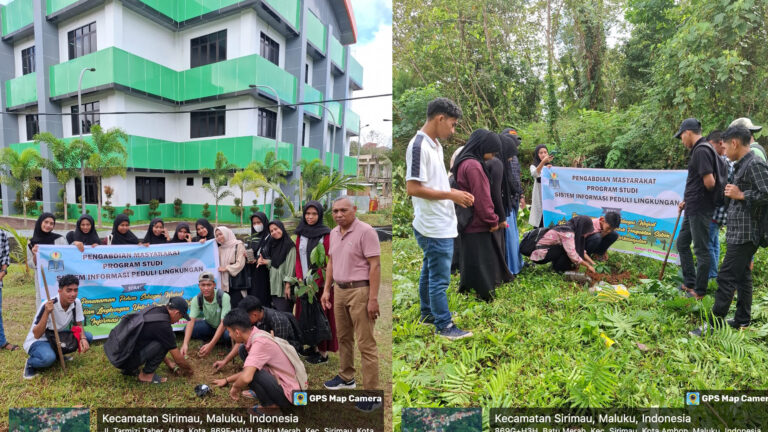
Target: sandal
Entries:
(249, 394)
(9, 346)
(156, 379)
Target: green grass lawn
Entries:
(91, 381)
(539, 343)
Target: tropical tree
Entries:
(311, 174)
(219, 175)
(327, 185)
(241, 180)
(273, 169)
(20, 171)
(65, 163)
(108, 157)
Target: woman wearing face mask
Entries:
(231, 262)
(43, 234)
(121, 231)
(156, 233)
(182, 235)
(282, 264)
(311, 233)
(204, 231)
(84, 233)
(541, 158)
(259, 267)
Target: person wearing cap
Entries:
(214, 306)
(603, 236)
(756, 148)
(155, 341)
(715, 139)
(699, 205)
(748, 194)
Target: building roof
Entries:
(342, 10)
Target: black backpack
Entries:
(219, 295)
(122, 339)
(530, 239)
(463, 214)
(721, 176)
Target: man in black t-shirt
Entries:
(699, 205)
(155, 341)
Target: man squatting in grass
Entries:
(211, 312)
(66, 309)
(434, 223)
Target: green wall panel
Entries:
(311, 94)
(57, 5)
(16, 15)
(20, 147)
(188, 211)
(338, 53)
(355, 71)
(353, 122)
(114, 65)
(309, 154)
(335, 160)
(350, 165)
(335, 108)
(289, 9)
(21, 90)
(316, 31)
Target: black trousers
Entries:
(735, 275)
(596, 244)
(268, 390)
(559, 259)
(235, 295)
(695, 229)
(151, 356)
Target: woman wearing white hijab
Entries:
(231, 261)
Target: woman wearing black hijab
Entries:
(481, 261)
(282, 264)
(541, 158)
(563, 245)
(257, 242)
(310, 233)
(497, 179)
(181, 235)
(156, 233)
(84, 233)
(43, 234)
(510, 142)
(121, 232)
(204, 231)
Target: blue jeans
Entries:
(41, 355)
(435, 278)
(714, 248)
(203, 330)
(2, 332)
(695, 230)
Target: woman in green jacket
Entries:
(282, 264)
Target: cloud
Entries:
(376, 58)
(369, 16)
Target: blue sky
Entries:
(370, 14)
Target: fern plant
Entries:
(620, 323)
(457, 386)
(594, 384)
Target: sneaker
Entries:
(368, 406)
(69, 358)
(317, 359)
(454, 333)
(337, 383)
(699, 332)
(427, 320)
(732, 322)
(29, 371)
(308, 352)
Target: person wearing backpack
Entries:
(66, 309)
(756, 148)
(748, 196)
(699, 205)
(210, 305)
(272, 370)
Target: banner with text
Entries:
(118, 280)
(646, 199)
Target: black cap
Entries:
(688, 124)
(180, 305)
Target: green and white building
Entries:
(169, 56)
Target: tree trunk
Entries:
(64, 200)
(24, 208)
(217, 212)
(242, 206)
(98, 208)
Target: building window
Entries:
(32, 126)
(208, 49)
(190, 181)
(89, 118)
(304, 142)
(28, 60)
(91, 189)
(270, 49)
(149, 188)
(267, 123)
(306, 73)
(209, 122)
(206, 180)
(82, 41)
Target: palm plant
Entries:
(273, 169)
(20, 171)
(65, 164)
(241, 180)
(108, 157)
(219, 175)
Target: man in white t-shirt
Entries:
(67, 310)
(434, 222)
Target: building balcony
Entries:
(311, 94)
(355, 74)
(16, 16)
(316, 33)
(353, 122)
(118, 68)
(338, 55)
(21, 92)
